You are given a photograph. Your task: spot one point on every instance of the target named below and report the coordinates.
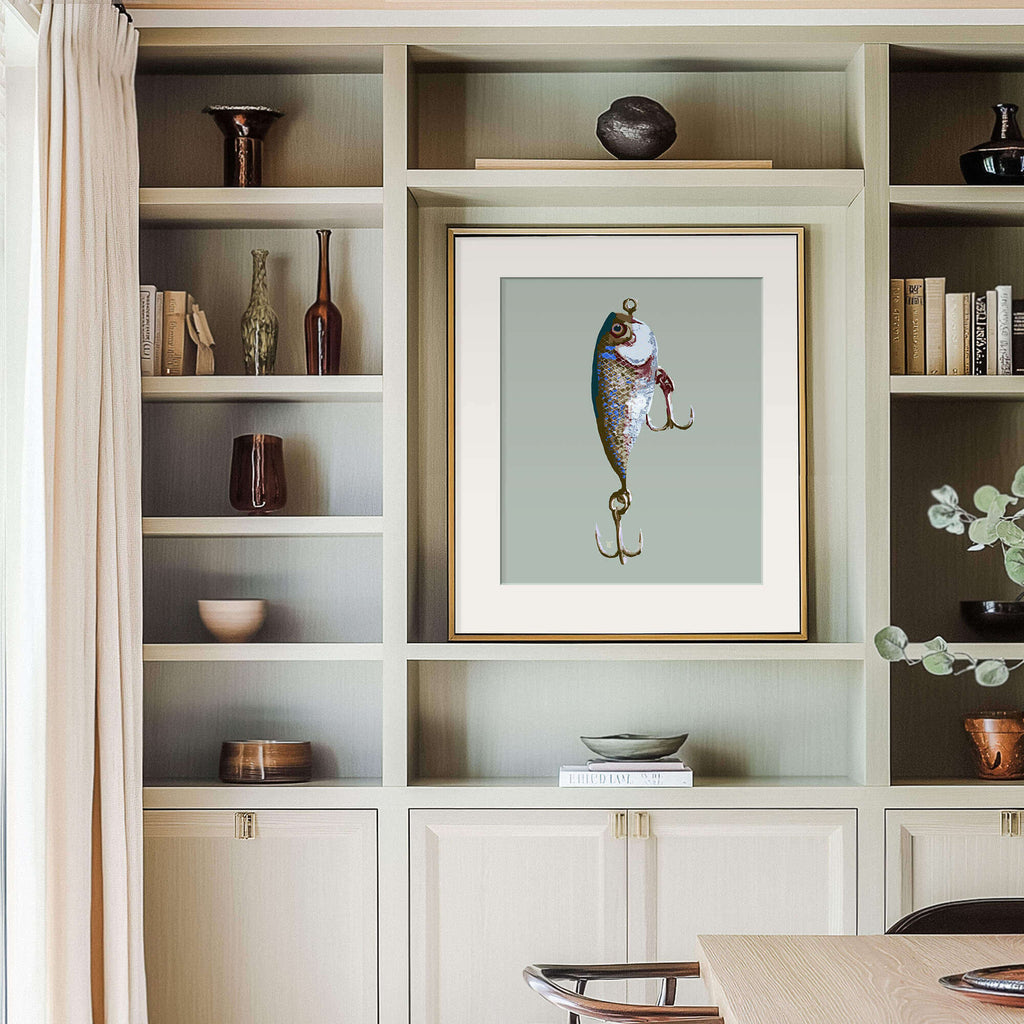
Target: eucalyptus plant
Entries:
(997, 525)
(891, 643)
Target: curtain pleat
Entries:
(90, 311)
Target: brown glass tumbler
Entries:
(257, 474)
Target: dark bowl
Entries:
(993, 166)
(999, 620)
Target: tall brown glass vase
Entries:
(323, 319)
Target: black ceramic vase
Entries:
(244, 129)
(1000, 161)
(636, 128)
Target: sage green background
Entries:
(696, 493)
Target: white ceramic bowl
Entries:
(233, 622)
(628, 746)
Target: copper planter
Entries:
(255, 761)
(997, 739)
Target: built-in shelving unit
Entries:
(262, 652)
(957, 387)
(381, 131)
(980, 205)
(963, 433)
(634, 652)
(649, 187)
(219, 388)
(263, 208)
(262, 526)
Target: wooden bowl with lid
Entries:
(259, 761)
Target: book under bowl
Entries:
(581, 775)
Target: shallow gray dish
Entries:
(627, 746)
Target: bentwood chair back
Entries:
(964, 917)
(545, 978)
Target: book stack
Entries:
(932, 331)
(175, 338)
(666, 771)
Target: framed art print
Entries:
(626, 424)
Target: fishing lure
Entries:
(622, 385)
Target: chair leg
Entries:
(668, 992)
(581, 987)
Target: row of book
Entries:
(665, 771)
(932, 331)
(174, 336)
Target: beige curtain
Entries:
(89, 177)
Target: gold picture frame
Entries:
(797, 601)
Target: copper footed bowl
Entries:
(259, 761)
(997, 742)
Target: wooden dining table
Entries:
(851, 979)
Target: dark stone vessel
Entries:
(636, 128)
(244, 128)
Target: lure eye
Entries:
(619, 329)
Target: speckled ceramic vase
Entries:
(259, 321)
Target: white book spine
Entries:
(158, 335)
(954, 333)
(935, 325)
(1004, 328)
(992, 336)
(147, 309)
(583, 776)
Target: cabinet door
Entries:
(937, 856)
(734, 872)
(495, 890)
(280, 927)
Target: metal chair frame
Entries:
(544, 978)
(964, 917)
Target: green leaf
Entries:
(940, 516)
(891, 643)
(992, 672)
(983, 497)
(956, 526)
(938, 644)
(1010, 533)
(945, 495)
(1018, 483)
(1013, 561)
(982, 531)
(940, 663)
(997, 506)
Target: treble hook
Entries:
(664, 381)
(618, 505)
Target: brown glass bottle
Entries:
(323, 320)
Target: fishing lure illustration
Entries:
(622, 384)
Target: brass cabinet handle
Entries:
(619, 825)
(641, 825)
(1010, 824)
(245, 824)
